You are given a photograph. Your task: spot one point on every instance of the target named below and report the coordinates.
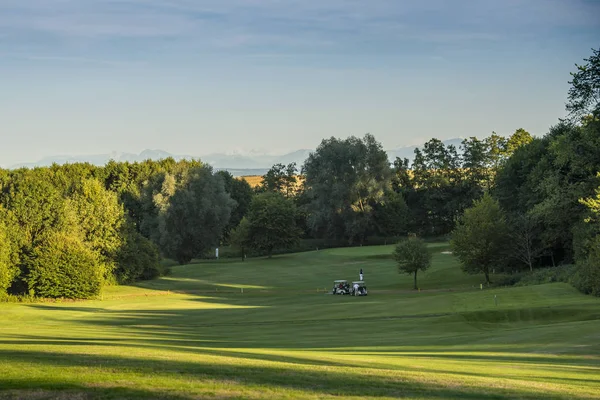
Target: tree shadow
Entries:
(309, 382)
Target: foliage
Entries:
(587, 277)
(7, 268)
(63, 267)
(36, 205)
(138, 259)
(240, 237)
(517, 140)
(281, 178)
(241, 192)
(271, 223)
(525, 246)
(479, 239)
(196, 216)
(584, 94)
(391, 216)
(99, 216)
(562, 273)
(344, 180)
(412, 256)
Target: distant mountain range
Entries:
(237, 164)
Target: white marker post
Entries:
(217, 253)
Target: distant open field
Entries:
(253, 180)
(196, 335)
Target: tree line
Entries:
(67, 231)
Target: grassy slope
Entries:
(282, 338)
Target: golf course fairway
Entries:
(269, 329)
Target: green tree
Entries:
(198, 213)
(524, 232)
(474, 154)
(137, 259)
(241, 192)
(64, 267)
(392, 215)
(240, 237)
(587, 277)
(37, 206)
(496, 149)
(8, 270)
(479, 239)
(98, 215)
(518, 139)
(272, 223)
(412, 256)
(155, 201)
(344, 179)
(281, 178)
(584, 94)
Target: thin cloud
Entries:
(343, 25)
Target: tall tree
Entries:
(518, 139)
(241, 192)
(587, 277)
(281, 178)
(240, 237)
(98, 216)
(343, 181)
(479, 239)
(196, 217)
(412, 256)
(524, 230)
(8, 270)
(584, 94)
(271, 223)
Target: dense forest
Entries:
(509, 204)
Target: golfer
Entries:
(355, 289)
(361, 274)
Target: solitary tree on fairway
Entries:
(480, 236)
(412, 256)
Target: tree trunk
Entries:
(487, 276)
(415, 280)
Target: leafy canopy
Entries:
(412, 256)
(479, 239)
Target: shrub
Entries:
(138, 259)
(508, 280)
(63, 267)
(587, 276)
(562, 273)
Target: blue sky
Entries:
(195, 77)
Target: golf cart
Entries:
(359, 288)
(341, 287)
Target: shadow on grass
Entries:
(307, 381)
(30, 389)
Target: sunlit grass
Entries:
(196, 335)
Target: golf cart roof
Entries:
(359, 282)
(341, 280)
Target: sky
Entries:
(203, 76)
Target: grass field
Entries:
(194, 334)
